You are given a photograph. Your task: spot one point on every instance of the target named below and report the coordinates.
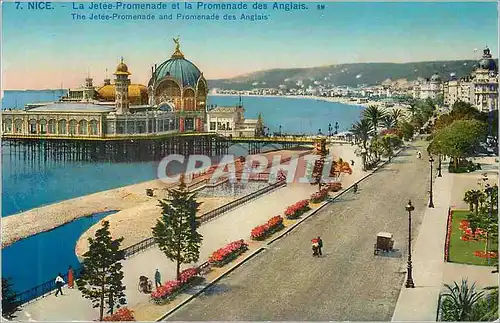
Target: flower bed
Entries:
(319, 196)
(169, 290)
(334, 187)
(122, 314)
(228, 253)
(261, 232)
(448, 236)
(297, 209)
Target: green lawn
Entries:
(463, 251)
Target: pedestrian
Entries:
(320, 245)
(315, 247)
(70, 277)
(59, 284)
(157, 278)
(352, 162)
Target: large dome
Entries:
(179, 68)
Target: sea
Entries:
(27, 184)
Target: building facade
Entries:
(479, 89)
(428, 88)
(230, 122)
(173, 102)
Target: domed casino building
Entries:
(179, 86)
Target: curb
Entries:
(227, 272)
(262, 248)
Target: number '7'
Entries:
(18, 4)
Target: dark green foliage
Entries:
(176, 231)
(101, 279)
(459, 140)
(10, 303)
(460, 302)
(362, 131)
(407, 129)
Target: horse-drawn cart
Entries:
(384, 243)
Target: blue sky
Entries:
(53, 48)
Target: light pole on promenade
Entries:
(329, 130)
(409, 279)
(431, 203)
(439, 167)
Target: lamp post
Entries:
(336, 127)
(409, 279)
(329, 130)
(439, 167)
(431, 203)
(280, 130)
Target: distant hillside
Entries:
(346, 74)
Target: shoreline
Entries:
(340, 100)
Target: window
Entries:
(18, 126)
(61, 127)
(7, 125)
(43, 126)
(52, 126)
(82, 127)
(32, 126)
(212, 125)
(72, 127)
(94, 130)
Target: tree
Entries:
(259, 128)
(176, 231)
(460, 302)
(396, 115)
(361, 131)
(101, 279)
(474, 198)
(461, 139)
(407, 129)
(388, 144)
(388, 122)
(374, 115)
(10, 303)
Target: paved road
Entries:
(349, 282)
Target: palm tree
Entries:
(374, 115)
(361, 130)
(397, 115)
(460, 302)
(388, 122)
(413, 109)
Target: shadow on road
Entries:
(396, 253)
(216, 289)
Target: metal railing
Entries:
(228, 207)
(45, 289)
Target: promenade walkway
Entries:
(234, 225)
(430, 271)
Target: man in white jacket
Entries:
(59, 284)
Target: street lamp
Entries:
(439, 167)
(431, 203)
(336, 127)
(329, 130)
(280, 130)
(409, 279)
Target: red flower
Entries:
(489, 254)
(220, 254)
(122, 314)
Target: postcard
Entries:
(249, 161)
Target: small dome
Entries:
(435, 78)
(122, 69)
(488, 64)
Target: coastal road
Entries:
(285, 282)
